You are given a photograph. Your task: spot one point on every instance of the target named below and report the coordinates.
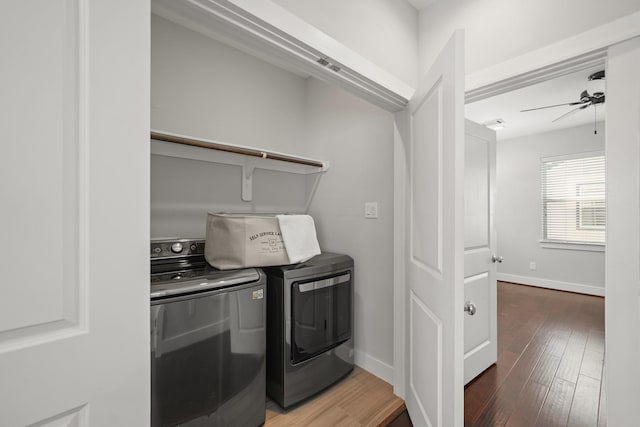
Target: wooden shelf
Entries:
(248, 158)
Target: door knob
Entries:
(496, 258)
(470, 308)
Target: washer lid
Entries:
(186, 283)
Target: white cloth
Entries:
(299, 236)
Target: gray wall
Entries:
(518, 213)
(203, 88)
(358, 140)
(206, 89)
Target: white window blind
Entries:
(573, 199)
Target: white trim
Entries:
(572, 156)
(586, 48)
(622, 266)
(571, 246)
(375, 366)
(84, 167)
(574, 65)
(552, 284)
(399, 289)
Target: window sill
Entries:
(590, 247)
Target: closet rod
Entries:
(234, 149)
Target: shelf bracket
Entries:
(312, 193)
(247, 179)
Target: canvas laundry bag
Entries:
(238, 241)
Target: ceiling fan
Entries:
(595, 83)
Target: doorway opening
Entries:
(550, 314)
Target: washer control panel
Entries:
(170, 248)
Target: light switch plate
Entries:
(371, 209)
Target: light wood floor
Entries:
(361, 399)
(549, 373)
(550, 366)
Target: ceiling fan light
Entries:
(596, 84)
(584, 96)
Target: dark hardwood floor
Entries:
(401, 420)
(550, 366)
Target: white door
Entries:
(480, 321)
(430, 173)
(74, 188)
(622, 302)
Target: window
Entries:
(573, 199)
(591, 206)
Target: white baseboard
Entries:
(377, 367)
(552, 284)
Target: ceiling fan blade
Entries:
(551, 106)
(575, 110)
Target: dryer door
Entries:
(321, 315)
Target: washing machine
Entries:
(208, 340)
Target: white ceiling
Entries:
(421, 4)
(556, 91)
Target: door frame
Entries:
(572, 54)
(557, 59)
